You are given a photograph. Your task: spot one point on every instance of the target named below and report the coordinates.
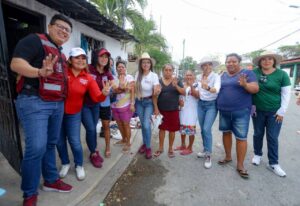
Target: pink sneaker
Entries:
(142, 149)
(96, 160)
(30, 201)
(148, 153)
(57, 186)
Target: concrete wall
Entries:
(114, 46)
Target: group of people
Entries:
(56, 95)
(237, 94)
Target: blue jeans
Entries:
(236, 121)
(144, 109)
(207, 113)
(70, 131)
(262, 121)
(89, 118)
(41, 123)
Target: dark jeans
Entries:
(70, 131)
(41, 122)
(89, 118)
(265, 121)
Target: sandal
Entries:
(180, 148)
(158, 153)
(107, 154)
(119, 143)
(224, 162)
(126, 148)
(171, 154)
(243, 173)
(186, 152)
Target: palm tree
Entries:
(120, 11)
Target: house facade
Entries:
(18, 18)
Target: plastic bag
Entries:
(156, 120)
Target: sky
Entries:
(220, 27)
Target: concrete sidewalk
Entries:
(95, 178)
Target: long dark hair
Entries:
(140, 76)
(95, 55)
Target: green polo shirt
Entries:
(269, 96)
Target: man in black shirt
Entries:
(38, 61)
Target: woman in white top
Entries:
(188, 116)
(209, 86)
(147, 90)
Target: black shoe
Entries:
(101, 134)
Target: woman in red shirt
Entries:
(79, 83)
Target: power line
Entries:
(281, 39)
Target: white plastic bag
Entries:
(156, 120)
(98, 127)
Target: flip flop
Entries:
(179, 148)
(119, 143)
(186, 152)
(224, 162)
(171, 154)
(126, 148)
(107, 154)
(243, 173)
(158, 153)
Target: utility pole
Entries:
(124, 13)
(183, 62)
(183, 48)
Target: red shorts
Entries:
(170, 121)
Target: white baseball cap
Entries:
(77, 51)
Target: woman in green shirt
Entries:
(271, 103)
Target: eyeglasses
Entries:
(263, 79)
(63, 28)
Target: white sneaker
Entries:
(64, 170)
(80, 173)
(207, 163)
(277, 170)
(256, 160)
(201, 154)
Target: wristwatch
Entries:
(208, 88)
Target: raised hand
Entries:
(122, 82)
(48, 64)
(174, 81)
(243, 80)
(204, 82)
(106, 87)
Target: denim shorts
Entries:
(236, 121)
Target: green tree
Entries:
(120, 11)
(290, 51)
(253, 54)
(188, 63)
(160, 57)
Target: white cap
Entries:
(77, 51)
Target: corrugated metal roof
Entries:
(86, 13)
(290, 61)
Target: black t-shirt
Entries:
(168, 99)
(30, 49)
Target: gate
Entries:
(10, 143)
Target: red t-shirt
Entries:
(77, 89)
(106, 76)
